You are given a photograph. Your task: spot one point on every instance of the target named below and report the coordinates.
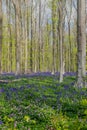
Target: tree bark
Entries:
(81, 43)
(17, 34)
(0, 36)
(61, 39)
(54, 36)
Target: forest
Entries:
(43, 69)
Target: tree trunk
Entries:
(39, 47)
(61, 41)
(0, 36)
(31, 46)
(54, 36)
(17, 34)
(81, 43)
(26, 41)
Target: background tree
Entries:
(0, 36)
(81, 42)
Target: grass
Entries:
(42, 103)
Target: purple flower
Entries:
(66, 87)
(28, 86)
(13, 89)
(57, 73)
(69, 74)
(1, 122)
(1, 90)
(72, 83)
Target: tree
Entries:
(54, 35)
(61, 40)
(17, 34)
(26, 36)
(39, 39)
(69, 13)
(81, 42)
(0, 35)
(8, 4)
(31, 46)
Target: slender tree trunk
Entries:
(17, 34)
(35, 49)
(7, 9)
(26, 41)
(54, 36)
(0, 36)
(61, 43)
(31, 46)
(63, 33)
(39, 47)
(21, 35)
(81, 42)
(9, 36)
(57, 54)
(10, 33)
(70, 51)
(28, 36)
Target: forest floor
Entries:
(40, 102)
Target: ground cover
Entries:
(39, 102)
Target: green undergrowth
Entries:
(42, 103)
